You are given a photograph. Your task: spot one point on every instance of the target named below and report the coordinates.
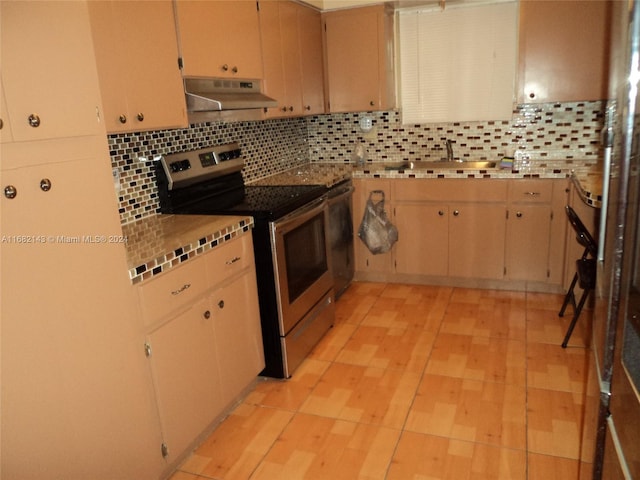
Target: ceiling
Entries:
(336, 4)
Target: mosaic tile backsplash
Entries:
(558, 136)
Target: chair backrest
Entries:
(582, 234)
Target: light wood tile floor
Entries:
(416, 383)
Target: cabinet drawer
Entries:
(530, 191)
(229, 258)
(450, 190)
(173, 290)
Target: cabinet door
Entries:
(137, 57)
(220, 38)
(356, 52)
(365, 261)
(48, 70)
(238, 335)
(564, 50)
(186, 376)
(423, 239)
(73, 368)
(311, 60)
(291, 57)
(527, 254)
(477, 240)
(5, 124)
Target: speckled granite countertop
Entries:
(160, 242)
(328, 174)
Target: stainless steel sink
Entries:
(419, 165)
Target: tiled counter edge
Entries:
(152, 248)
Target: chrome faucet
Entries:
(449, 151)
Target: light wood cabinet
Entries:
(451, 228)
(423, 239)
(476, 240)
(563, 51)
(186, 376)
(359, 59)
(535, 230)
(137, 58)
(491, 233)
(365, 261)
(205, 341)
(5, 124)
(48, 71)
(292, 56)
(220, 38)
(312, 61)
(73, 368)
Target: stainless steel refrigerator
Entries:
(612, 415)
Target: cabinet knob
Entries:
(207, 314)
(532, 95)
(307, 107)
(221, 304)
(441, 213)
(456, 213)
(225, 67)
(284, 109)
(34, 120)
(1, 124)
(234, 69)
(140, 117)
(122, 118)
(10, 191)
(45, 184)
(519, 214)
(372, 103)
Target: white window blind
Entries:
(458, 64)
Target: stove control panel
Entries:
(186, 168)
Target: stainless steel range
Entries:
(291, 244)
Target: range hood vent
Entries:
(220, 94)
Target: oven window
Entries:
(305, 253)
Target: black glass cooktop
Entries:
(267, 202)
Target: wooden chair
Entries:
(585, 275)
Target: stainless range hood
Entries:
(214, 99)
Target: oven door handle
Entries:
(340, 195)
(299, 216)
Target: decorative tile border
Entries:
(184, 253)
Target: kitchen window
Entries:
(457, 63)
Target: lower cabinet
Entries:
(468, 231)
(186, 376)
(205, 352)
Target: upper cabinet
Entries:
(219, 39)
(359, 59)
(292, 55)
(137, 58)
(563, 51)
(50, 81)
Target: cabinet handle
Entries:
(307, 107)
(1, 124)
(291, 108)
(140, 117)
(10, 191)
(532, 95)
(207, 314)
(440, 212)
(122, 118)
(284, 109)
(519, 214)
(234, 69)
(34, 120)
(456, 213)
(372, 103)
(181, 289)
(532, 194)
(45, 184)
(232, 261)
(225, 67)
(221, 304)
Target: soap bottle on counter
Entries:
(359, 155)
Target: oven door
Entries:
(301, 261)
